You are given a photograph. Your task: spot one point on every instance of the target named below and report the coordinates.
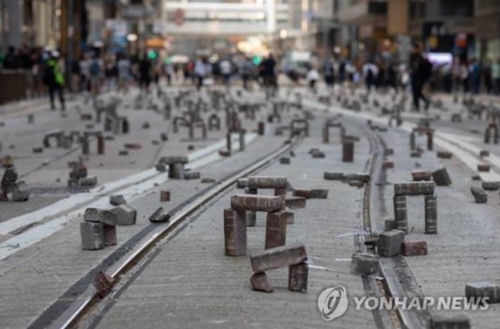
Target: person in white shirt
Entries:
(200, 70)
(312, 77)
(226, 69)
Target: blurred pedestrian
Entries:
(54, 79)
(201, 71)
(247, 71)
(475, 76)
(495, 74)
(145, 67)
(420, 73)
(312, 77)
(96, 73)
(487, 76)
(124, 73)
(370, 74)
(11, 61)
(111, 74)
(329, 72)
(226, 69)
(268, 69)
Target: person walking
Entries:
(312, 77)
(247, 71)
(145, 67)
(329, 73)
(420, 73)
(201, 71)
(268, 67)
(495, 75)
(54, 79)
(124, 73)
(226, 69)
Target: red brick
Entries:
(483, 167)
(414, 248)
(103, 283)
(164, 195)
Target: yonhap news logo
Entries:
(334, 302)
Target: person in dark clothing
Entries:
(268, 70)
(420, 72)
(11, 60)
(54, 79)
(145, 73)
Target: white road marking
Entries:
(203, 157)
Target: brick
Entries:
(400, 213)
(192, 175)
(123, 152)
(414, 248)
(164, 195)
(103, 283)
(364, 263)
(267, 182)
(260, 282)
(37, 150)
(95, 215)
(333, 175)
(388, 152)
(235, 233)
(421, 175)
(242, 183)
(110, 238)
(415, 154)
(290, 217)
(491, 186)
(275, 229)
(388, 165)
(389, 243)
(126, 215)
(133, 146)
(207, 180)
(348, 151)
(356, 183)
(169, 160)
(483, 168)
(273, 258)
(295, 202)
(455, 321)
(430, 203)
(92, 235)
(161, 167)
(297, 277)
(484, 153)
(483, 289)
(479, 195)
(285, 160)
(363, 177)
(256, 202)
(318, 155)
(159, 216)
(117, 200)
(311, 194)
(441, 177)
(414, 188)
(88, 181)
(224, 153)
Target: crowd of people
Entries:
(93, 73)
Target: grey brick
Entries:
(364, 263)
(389, 243)
(92, 235)
(126, 215)
(278, 257)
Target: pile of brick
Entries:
(78, 176)
(11, 188)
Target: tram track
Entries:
(131, 257)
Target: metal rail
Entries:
(90, 299)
